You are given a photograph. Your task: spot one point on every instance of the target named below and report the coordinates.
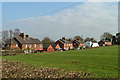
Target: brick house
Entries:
(101, 43)
(48, 47)
(104, 43)
(64, 44)
(78, 44)
(24, 42)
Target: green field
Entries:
(101, 62)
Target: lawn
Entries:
(101, 62)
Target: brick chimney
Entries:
(22, 35)
(63, 38)
(27, 36)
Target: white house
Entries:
(91, 44)
(95, 45)
(88, 44)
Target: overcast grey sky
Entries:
(88, 19)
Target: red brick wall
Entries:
(13, 46)
(68, 45)
(33, 47)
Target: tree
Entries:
(118, 38)
(78, 38)
(106, 36)
(114, 40)
(47, 40)
(17, 32)
(5, 35)
(87, 39)
(90, 39)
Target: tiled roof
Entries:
(27, 40)
(64, 41)
(78, 42)
(11, 41)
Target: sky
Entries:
(61, 19)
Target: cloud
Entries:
(87, 19)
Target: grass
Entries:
(101, 62)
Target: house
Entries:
(108, 43)
(91, 44)
(95, 44)
(64, 44)
(104, 43)
(56, 47)
(78, 44)
(48, 47)
(88, 44)
(101, 43)
(10, 44)
(24, 42)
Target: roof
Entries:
(27, 40)
(78, 41)
(11, 41)
(54, 45)
(45, 46)
(64, 41)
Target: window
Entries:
(65, 44)
(30, 45)
(34, 45)
(16, 45)
(69, 44)
(40, 45)
(26, 45)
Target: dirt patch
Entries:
(15, 69)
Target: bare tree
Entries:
(17, 32)
(5, 35)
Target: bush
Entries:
(13, 51)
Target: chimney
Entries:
(27, 36)
(63, 38)
(78, 39)
(22, 35)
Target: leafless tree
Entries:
(16, 32)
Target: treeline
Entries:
(115, 39)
